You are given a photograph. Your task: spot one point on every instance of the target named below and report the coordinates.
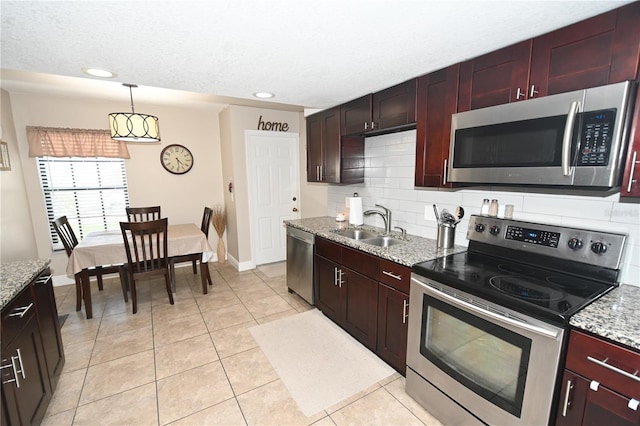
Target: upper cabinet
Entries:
(437, 95)
(631, 178)
(598, 51)
(385, 111)
(331, 158)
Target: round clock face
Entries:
(176, 159)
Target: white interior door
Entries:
(273, 170)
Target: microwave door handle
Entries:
(567, 137)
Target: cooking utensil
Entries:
(435, 211)
(447, 217)
(459, 214)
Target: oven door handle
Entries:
(461, 303)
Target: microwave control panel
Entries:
(595, 137)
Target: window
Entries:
(91, 192)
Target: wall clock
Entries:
(176, 159)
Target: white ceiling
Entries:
(311, 54)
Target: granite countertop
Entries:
(15, 276)
(417, 249)
(616, 316)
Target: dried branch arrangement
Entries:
(219, 219)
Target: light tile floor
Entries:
(195, 363)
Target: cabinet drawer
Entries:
(16, 315)
(604, 362)
(328, 249)
(395, 275)
(361, 262)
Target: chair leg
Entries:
(172, 273)
(167, 279)
(134, 299)
(123, 283)
(195, 269)
(99, 277)
(78, 293)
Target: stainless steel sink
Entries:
(382, 241)
(356, 234)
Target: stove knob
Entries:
(575, 243)
(494, 230)
(599, 247)
(479, 227)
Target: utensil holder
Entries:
(446, 235)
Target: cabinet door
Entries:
(598, 51)
(395, 106)
(360, 298)
(323, 146)
(328, 297)
(437, 101)
(393, 310)
(356, 116)
(606, 407)
(496, 78)
(573, 395)
(315, 147)
(631, 179)
(47, 314)
(31, 391)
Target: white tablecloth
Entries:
(107, 247)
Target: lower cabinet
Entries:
(32, 353)
(595, 389)
(367, 296)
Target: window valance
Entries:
(60, 142)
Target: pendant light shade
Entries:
(133, 126)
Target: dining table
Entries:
(103, 248)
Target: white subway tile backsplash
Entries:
(389, 180)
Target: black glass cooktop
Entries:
(547, 294)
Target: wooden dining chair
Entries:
(69, 241)
(146, 246)
(196, 257)
(143, 214)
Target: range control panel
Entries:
(599, 248)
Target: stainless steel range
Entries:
(487, 327)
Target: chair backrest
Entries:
(206, 220)
(143, 214)
(146, 244)
(66, 234)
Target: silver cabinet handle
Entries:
(405, 313)
(373, 125)
(340, 281)
(604, 364)
(533, 91)
(321, 173)
(20, 312)
(335, 275)
(366, 125)
(42, 280)
(520, 94)
(633, 169)
(15, 368)
(444, 172)
(566, 138)
(392, 275)
(566, 398)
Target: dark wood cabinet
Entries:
(594, 52)
(595, 390)
(437, 101)
(330, 157)
(631, 179)
(388, 110)
(343, 294)
(49, 324)
(26, 390)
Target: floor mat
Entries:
(318, 362)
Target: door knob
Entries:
(295, 209)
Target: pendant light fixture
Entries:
(133, 126)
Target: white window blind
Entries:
(91, 192)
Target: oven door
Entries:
(497, 364)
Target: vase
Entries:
(221, 251)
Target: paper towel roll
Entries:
(355, 211)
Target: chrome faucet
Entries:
(386, 216)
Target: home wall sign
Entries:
(5, 163)
(273, 126)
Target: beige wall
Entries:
(182, 197)
(17, 239)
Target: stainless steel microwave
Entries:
(575, 139)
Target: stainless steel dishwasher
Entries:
(300, 263)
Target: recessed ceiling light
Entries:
(263, 95)
(97, 72)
